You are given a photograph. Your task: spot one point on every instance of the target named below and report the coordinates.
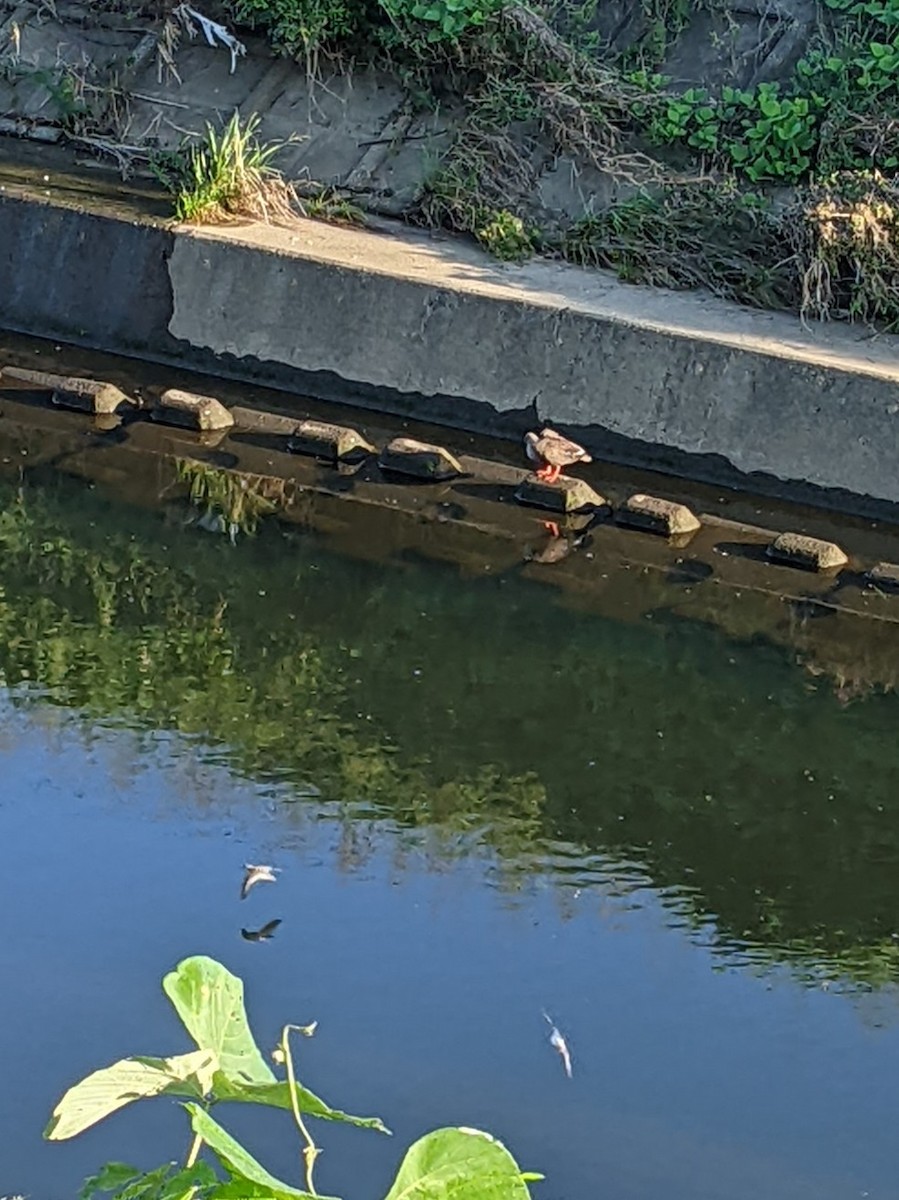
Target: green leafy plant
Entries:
(777, 135)
(444, 20)
(760, 133)
(307, 26)
(691, 118)
(302, 27)
(506, 236)
(227, 1066)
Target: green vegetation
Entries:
(303, 27)
(692, 236)
(228, 176)
(307, 27)
(326, 204)
(762, 134)
(538, 83)
(837, 113)
(231, 176)
(807, 163)
(505, 235)
(440, 20)
(227, 1067)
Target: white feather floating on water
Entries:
(213, 31)
(558, 1043)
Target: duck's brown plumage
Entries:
(552, 448)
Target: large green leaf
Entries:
(209, 1000)
(238, 1162)
(111, 1088)
(459, 1164)
(277, 1095)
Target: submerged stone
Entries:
(885, 576)
(205, 413)
(655, 515)
(813, 554)
(566, 495)
(72, 391)
(333, 442)
(422, 460)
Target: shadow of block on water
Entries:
(689, 571)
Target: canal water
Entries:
(681, 845)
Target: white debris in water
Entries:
(558, 1043)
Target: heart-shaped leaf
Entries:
(111, 1088)
(209, 1000)
(459, 1164)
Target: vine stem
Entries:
(193, 1154)
(310, 1150)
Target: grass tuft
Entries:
(328, 205)
(703, 236)
(228, 177)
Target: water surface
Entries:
(683, 845)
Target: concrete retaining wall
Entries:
(432, 327)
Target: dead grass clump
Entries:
(846, 239)
(584, 108)
(483, 172)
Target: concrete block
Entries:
(566, 495)
(256, 420)
(655, 515)
(422, 460)
(203, 413)
(333, 442)
(813, 554)
(70, 391)
(884, 576)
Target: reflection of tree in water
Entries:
(458, 719)
(231, 502)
